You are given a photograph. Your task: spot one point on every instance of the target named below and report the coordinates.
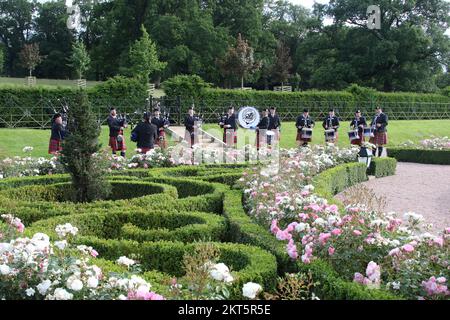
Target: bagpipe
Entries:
(222, 119)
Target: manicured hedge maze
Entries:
(162, 214)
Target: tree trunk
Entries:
(31, 72)
(242, 83)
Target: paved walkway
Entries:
(420, 188)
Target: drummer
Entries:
(379, 124)
(261, 129)
(358, 123)
(304, 121)
(274, 125)
(331, 123)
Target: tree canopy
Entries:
(410, 52)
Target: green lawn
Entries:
(14, 140)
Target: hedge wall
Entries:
(382, 167)
(420, 155)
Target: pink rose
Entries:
(94, 253)
(331, 251)
(357, 232)
(333, 208)
(323, 238)
(336, 232)
(408, 248)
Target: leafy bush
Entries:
(382, 167)
(185, 86)
(420, 156)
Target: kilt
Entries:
(259, 142)
(55, 146)
(380, 139)
(161, 142)
(336, 137)
(301, 139)
(117, 146)
(231, 134)
(359, 141)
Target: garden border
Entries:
(423, 156)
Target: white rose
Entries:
(44, 286)
(62, 294)
(125, 261)
(5, 270)
(30, 292)
(251, 290)
(92, 282)
(74, 284)
(61, 244)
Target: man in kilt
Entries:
(261, 129)
(358, 123)
(145, 134)
(229, 126)
(304, 121)
(275, 126)
(116, 138)
(191, 125)
(161, 124)
(331, 123)
(57, 135)
(379, 124)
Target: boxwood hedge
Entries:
(420, 155)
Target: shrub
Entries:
(382, 167)
(420, 156)
(185, 86)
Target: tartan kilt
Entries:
(301, 139)
(234, 138)
(117, 146)
(258, 142)
(336, 137)
(361, 139)
(380, 139)
(54, 146)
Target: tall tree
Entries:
(79, 153)
(144, 57)
(239, 60)
(282, 67)
(79, 60)
(30, 57)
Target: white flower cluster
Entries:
(66, 229)
(251, 290)
(219, 272)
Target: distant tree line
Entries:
(231, 43)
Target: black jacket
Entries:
(263, 124)
(158, 122)
(330, 123)
(303, 122)
(58, 132)
(147, 134)
(380, 119)
(231, 120)
(274, 122)
(189, 122)
(356, 123)
(114, 126)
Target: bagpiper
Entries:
(275, 126)
(379, 124)
(116, 128)
(161, 124)
(145, 134)
(304, 121)
(261, 129)
(331, 125)
(229, 125)
(358, 123)
(191, 123)
(57, 135)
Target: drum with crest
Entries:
(353, 135)
(368, 132)
(330, 135)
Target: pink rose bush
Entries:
(375, 249)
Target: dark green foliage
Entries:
(185, 86)
(86, 171)
(382, 167)
(420, 155)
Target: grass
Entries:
(14, 140)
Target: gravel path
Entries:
(420, 188)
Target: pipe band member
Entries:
(274, 125)
(116, 138)
(331, 123)
(191, 125)
(161, 124)
(261, 129)
(304, 121)
(379, 124)
(358, 123)
(57, 136)
(229, 125)
(145, 134)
